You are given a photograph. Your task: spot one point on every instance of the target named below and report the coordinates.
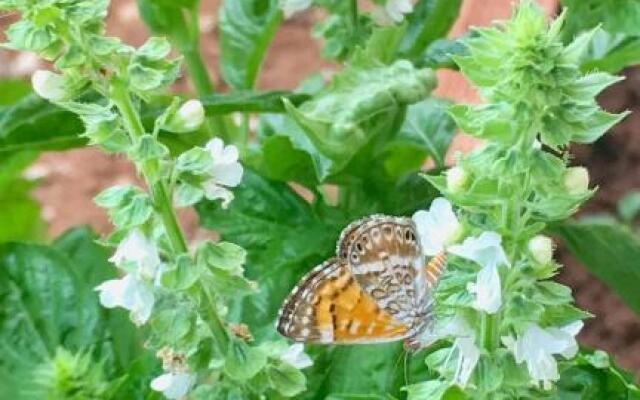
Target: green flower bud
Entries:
(49, 85)
(541, 249)
(576, 180)
(456, 179)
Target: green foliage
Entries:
(53, 333)
(594, 377)
(361, 107)
(251, 102)
(19, 213)
(530, 78)
(617, 44)
(246, 30)
(609, 251)
(430, 20)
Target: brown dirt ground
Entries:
(69, 180)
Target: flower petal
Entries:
(485, 249)
(213, 192)
(437, 227)
(296, 356)
(227, 174)
(487, 290)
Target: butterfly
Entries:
(378, 288)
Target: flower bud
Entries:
(576, 180)
(188, 118)
(456, 179)
(49, 85)
(541, 249)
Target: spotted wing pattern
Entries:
(377, 289)
(385, 258)
(328, 306)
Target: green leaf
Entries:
(246, 30)
(611, 52)
(429, 21)
(248, 101)
(428, 125)
(35, 124)
(609, 251)
(441, 53)
(286, 379)
(19, 212)
(592, 377)
(363, 102)
(170, 18)
(243, 361)
(616, 16)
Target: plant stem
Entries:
(489, 326)
(164, 206)
(198, 71)
(160, 198)
(353, 11)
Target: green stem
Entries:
(198, 71)
(160, 197)
(163, 204)
(353, 12)
(489, 325)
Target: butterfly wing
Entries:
(385, 258)
(328, 306)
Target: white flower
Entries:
(537, 346)
(295, 356)
(456, 179)
(130, 293)
(49, 85)
(464, 346)
(190, 115)
(225, 172)
(173, 385)
(136, 249)
(396, 9)
(576, 180)
(437, 227)
(290, 7)
(487, 251)
(487, 290)
(541, 249)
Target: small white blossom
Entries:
(537, 347)
(437, 227)
(576, 180)
(290, 7)
(486, 250)
(225, 172)
(190, 115)
(173, 385)
(541, 249)
(295, 356)
(456, 179)
(464, 346)
(136, 249)
(487, 290)
(396, 9)
(49, 85)
(130, 293)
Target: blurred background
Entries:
(67, 181)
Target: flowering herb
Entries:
(195, 320)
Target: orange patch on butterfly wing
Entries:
(348, 315)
